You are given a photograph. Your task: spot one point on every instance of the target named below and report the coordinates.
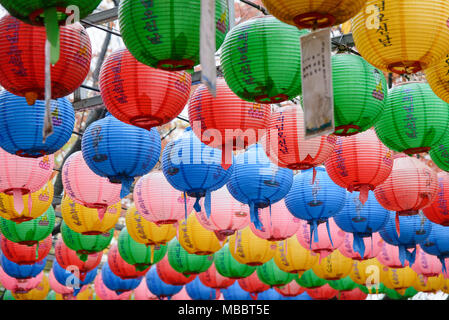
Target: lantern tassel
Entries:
(207, 203)
(18, 200)
(254, 214)
(47, 128)
(410, 256)
(126, 186)
(101, 212)
(185, 204)
(76, 291)
(83, 275)
(443, 264)
(52, 29)
(253, 295)
(313, 175)
(359, 245)
(313, 233)
(197, 205)
(224, 164)
(402, 254)
(329, 233)
(398, 229)
(364, 192)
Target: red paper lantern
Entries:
(22, 59)
(120, 267)
(291, 289)
(67, 257)
(360, 163)
(355, 294)
(23, 254)
(212, 279)
(226, 121)
(325, 292)
(170, 275)
(411, 186)
(253, 285)
(140, 95)
(438, 211)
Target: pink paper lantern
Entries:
(157, 201)
(324, 246)
(106, 294)
(181, 295)
(212, 279)
(277, 225)
(372, 247)
(19, 285)
(291, 289)
(227, 214)
(87, 188)
(20, 176)
(427, 265)
(389, 256)
(143, 293)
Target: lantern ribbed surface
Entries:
(187, 263)
(292, 257)
(57, 287)
(22, 59)
(270, 274)
(291, 289)
(212, 279)
(261, 60)
(389, 38)
(166, 34)
(334, 267)
(19, 285)
(26, 254)
(120, 267)
(373, 246)
(143, 293)
(414, 119)
(22, 135)
(229, 267)
(355, 294)
(426, 265)
(253, 285)
(310, 280)
(361, 270)
(343, 285)
(104, 293)
(428, 284)
(198, 291)
(22, 271)
(360, 94)
(325, 292)
(158, 287)
(117, 284)
(235, 292)
(140, 95)
(169, 275)
(440, 155)
(107, 155)
(389, 256)
(315, 13)
(38, 293)
(285, 142)
(437, 244)
(438, 210)
(400, 279)
(437, 75)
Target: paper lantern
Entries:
(389, 256)
(196, 239)
(86, 220)
(367, 273)
(426, 265)
(270, 274)
(430, 284)
(334, 267)
(343, 284)
(170, 276)
(229, 267)
(181, 295)
(292, 257)
(235, 292)
(437, 77)
(384, 34)
(38, 293)
(226, 121)
(104, 151)
(146, 232)
(22, 271)
(19, 285)
(355, 294)
(167, 35)
(137, 254)
(22, 135)
(310, 280)
(330, 238)
(22, 57)
(122, 268)
(261, 60)
(325, 292)
(437, 243)
(64, 291)
(26, 253)
(185, 262)
(140, 95)
(117, 284)
(198, 291)
(373, 246)
(69, 278)
(105, 294)
(158, 287)
(439, 154)
(437, 211)
(212, 279)
(143, 293)
(278, 223)
(41, 201)
(253, 285)
(269, 294)
(227, 215)
(411, 186)
(291, 289)
(249, 249)
(22, 176)
(157, 201)
(414, 119)
(85, 244)
(285, 142)
(314, 197)
(362, 221)
(360, 163)
(258, 182)
(400, 279)
(313, 14)
(30, 232)
(194, 168)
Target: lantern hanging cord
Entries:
(101, 28)
(260, 8)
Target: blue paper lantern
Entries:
(117, 284)
(413, 230)
(21, 125)
(198, 291)
(437, 244)
(120, 151)
(258, 182)
(194, 168)
(315, 202)
(22, 271)
(66, 277)
(302, 296)
(158, 287)
(270, 294)
(362, 220)
(235, 292)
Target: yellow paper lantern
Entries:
(249, 249)
(38, 293)
(445, 286)
(146, 232)
(402, 36)
(86, 294)
(399, 279)
(292, 257)
(334, 267)
(41, 201)
(367, 273)
(437, 75)
(313, 13)
(86, 220)
(196, 239)
(429, 284)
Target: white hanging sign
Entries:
(207, 45)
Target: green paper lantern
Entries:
(187, 263)
(345, 284)
(166, 34)
(440, 154)
(310, 280)
(8, 295)
(261, 60)
(360, 94)
(228, 267)
(138, 254)
(414, 119)
(270, 274)
(85, 244)
(29, 232)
